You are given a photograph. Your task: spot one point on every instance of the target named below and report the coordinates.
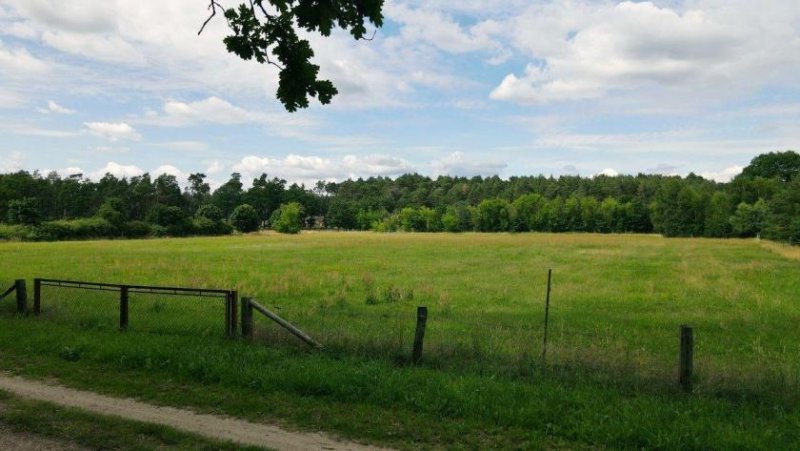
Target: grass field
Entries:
(610, 381)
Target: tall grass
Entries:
(617, 304)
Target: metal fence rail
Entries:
(148, 308)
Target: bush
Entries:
(208, 221)
(206, 226)
(209, 211)
(288, 218)
(158, 231)
(172, 219)
(77, 229)
(15, 232)
(111, 210)
(136, 229)
(494, 215)
(245, 218)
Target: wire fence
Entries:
(737, 346)
(744, 341)
(8, 303)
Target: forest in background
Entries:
(764, 200)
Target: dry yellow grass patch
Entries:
(784, 250)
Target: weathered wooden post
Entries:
(228, 311)
(37, 296)
(419, 336)
(686, 364)
(22, 295)
(234, 312)
(546, 315)
(247, 319)
(123, 308)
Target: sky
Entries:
(506, 87)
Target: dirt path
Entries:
(212, 426)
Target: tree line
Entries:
(764, 200)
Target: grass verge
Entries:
(98, 432)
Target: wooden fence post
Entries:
(22, 295)
(234, 313)
(686, 365)
(247, 319)
(419, 336)
(123, 308)
(228, 311)
(37, 296)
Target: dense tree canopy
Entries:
(783, 166)
(51, 207)
(267, 31)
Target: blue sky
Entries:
(474, 87)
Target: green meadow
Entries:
(609, 381)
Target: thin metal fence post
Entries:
(22, 295)
(123, 308)
(546, 314)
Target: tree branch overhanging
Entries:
(264, 36)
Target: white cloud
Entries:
(117, 170)
(585, 50)
(211, 109)
(215, 110)
(10, 99)
(19, 63)
(32, 130)
(75, 15)
(608, 172)
(724, 175)
(170, 170)
(53, 107)
(11, 161)
(309, 169)
(113, 49)
(664, 169)
(113, 131)
(458, 163)
(437, 29)
(215, 167)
